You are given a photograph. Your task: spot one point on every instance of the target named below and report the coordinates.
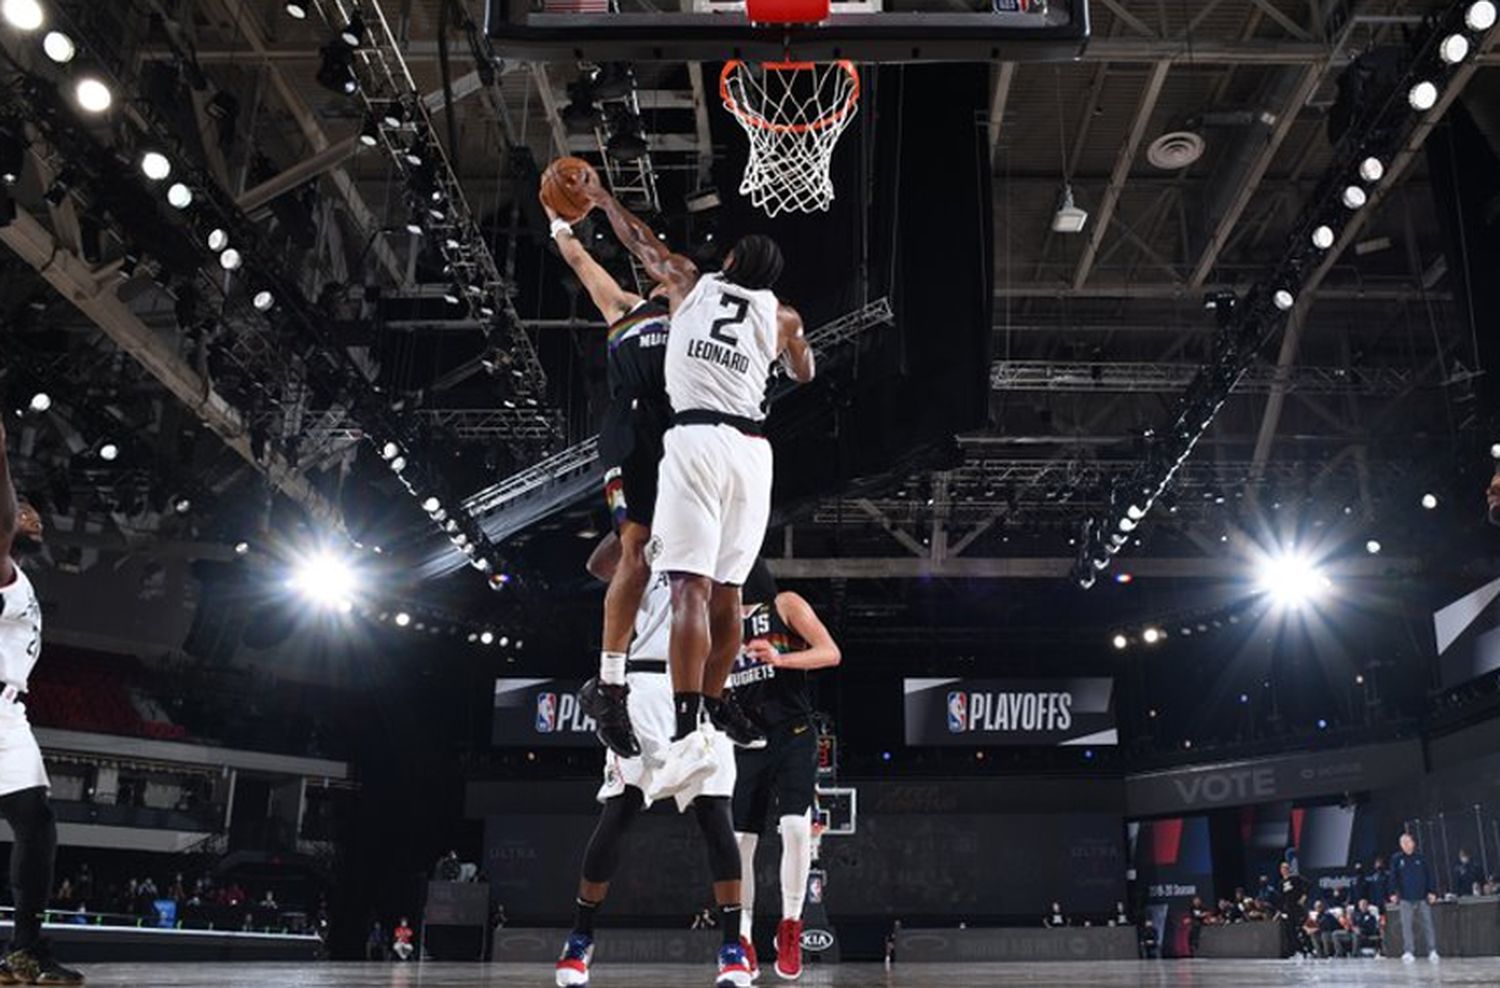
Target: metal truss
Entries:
(1144, 377)
(387, 79)
(520, 424)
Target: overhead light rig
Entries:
(1361, 161)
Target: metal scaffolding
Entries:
(1139, 377)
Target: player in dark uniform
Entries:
(630, 447)
(784, 641)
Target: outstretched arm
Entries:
(822, 651)
(678, 273)
(796, 355)
(10, 514)
(609, 298)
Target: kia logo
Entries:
(816, 940)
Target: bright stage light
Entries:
(1454, 49)
(1284, 299)
(41, 401)
(326, 579)
(1429, 501)
(23, 15)
(389, 451)
(1373, 547)
(1292, 580)
(180, 195)
(1322, 237)
(487, 638)
(1151, 636)
(109, 452)
(93, 95)
(1480, 16)
(59, 47)
(1354, 197)
(403, 619)
(1423, 96)
(155, 165)
(1371, 169)
(1120, 641)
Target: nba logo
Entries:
(958, 709)
(546, 713)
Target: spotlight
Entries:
(109, 452)
(414, 228)
(473, 637)
(413, 155)
(230, 259)
(1354, 197)
(487, 638)
(369, 134)
(155, 165)
(1322, 724)
(326, 579)
(1291, 579)
(1371, 170)
(179, 195)
(398, 464)
(1373, 547)
(394, 116)
(334, 70)
(59, 47)
(460, 540)
(453, 294)
(1283, 299)
(1495, 451)
(1135, 512)
(23, 15)
(241, 548)
(431, 505)
(182, 505)
(218, 239)
(1454, 49)
(92, 94)
(295, 10)
(498, 582)
(389, 451)
(1151, 636)
(41, 401)
(1423, 96)
(1429, 501)
(1128, 524)
(1322, 237)
(1480, 16)
(353, 32)
(402, 619)
(1120, 641)
(1244, 697)
(263, 300)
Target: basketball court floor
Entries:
(1101, 974)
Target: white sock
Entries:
(612, 668)
(796, 862)
(747, 843)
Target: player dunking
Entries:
(784, 641)
(630, 443)
(714, 496)
(23, 777)
(628, 789)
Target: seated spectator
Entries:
(1346, 936)
(1229, 912)
(177, 891)
(1367, 932)
(249, 924)
(1150, 943)
(1491, 886)
(1266, 891)
(375, 943)
(269, 902)
(1055, 918)
(401, 944)
(65, 895)
(1321, 926)
(1121, 918)
(1467, 878)
(448, 868)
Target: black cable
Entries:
(447, 73)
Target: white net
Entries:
(793, 114)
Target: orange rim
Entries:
(761, 123)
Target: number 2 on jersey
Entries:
(720, 328)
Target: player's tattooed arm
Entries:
(796, 355)
(608, 297)
(822, 652)
(678, 273)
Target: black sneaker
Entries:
(605, 702)
(36, 966)
(727, 715)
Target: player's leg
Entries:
(714, 819)
(691, 641)
(606, 701)
(794, 781)
(30, 816)
(726, 631)
(751, 805)
(601, 858)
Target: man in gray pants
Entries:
(1415, 889)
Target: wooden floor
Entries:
(1109, 974)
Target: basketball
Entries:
(562, 187)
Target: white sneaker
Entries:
(1432, 955)
(684, 765)
(1407, 958)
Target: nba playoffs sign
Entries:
(537, 712)
(1010, 711)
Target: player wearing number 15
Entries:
(714, 492)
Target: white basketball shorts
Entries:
(654, 720)
(713, 502)
(20, 759)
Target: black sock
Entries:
(729, 922)
(583, 916)
(687, 706)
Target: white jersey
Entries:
(653, 622)
(20, 631)
(721, 348)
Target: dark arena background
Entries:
(1142, 483)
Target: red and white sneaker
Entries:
(749, 949)
(734, 969)
(789, 949)
(573, 965)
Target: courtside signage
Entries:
(533, 712)
(963, 711)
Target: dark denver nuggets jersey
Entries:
(638, 351)
(772, 696)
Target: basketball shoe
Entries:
(35, 965)
(685, 764)
(750, 961)
(789, 949)
(573, 965)
(727, 715)
(734, 970)
(606, 703)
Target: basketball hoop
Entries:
(793, 114)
